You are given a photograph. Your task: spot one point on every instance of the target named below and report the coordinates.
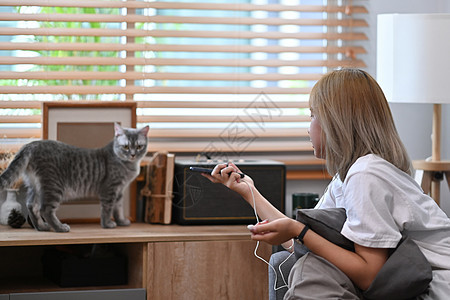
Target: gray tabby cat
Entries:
(54, 172)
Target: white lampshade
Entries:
(413, 57)
(413, 66)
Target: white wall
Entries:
(413, 120)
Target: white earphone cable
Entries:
(261, 258)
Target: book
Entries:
(159, 188)
(170, 166)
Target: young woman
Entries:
(353, 130)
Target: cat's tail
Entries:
(15, 168)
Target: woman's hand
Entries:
(227, 174)
(276, 232)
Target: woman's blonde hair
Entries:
(356, 121)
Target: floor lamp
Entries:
(413, 66)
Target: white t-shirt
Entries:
(381, 201)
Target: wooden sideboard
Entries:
(168, 261)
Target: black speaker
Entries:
(199, 201)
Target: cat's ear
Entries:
(118, 130)
(144, 130)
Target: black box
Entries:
(69, 267)
(199, 201)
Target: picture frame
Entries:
(88, 125)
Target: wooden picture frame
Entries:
(88, 125)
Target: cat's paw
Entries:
(43, 227)
(63, 228)
(123, 222)
(109, 224)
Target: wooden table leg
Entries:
(436, 190)
(426, 181)
(430, 185)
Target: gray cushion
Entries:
(406, 274)
(328, 223)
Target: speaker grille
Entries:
(199, 201)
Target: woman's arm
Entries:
(360, 266)
(226, 174)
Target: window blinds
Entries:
(209, 77)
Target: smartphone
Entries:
(208, 171)
(201, 170)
